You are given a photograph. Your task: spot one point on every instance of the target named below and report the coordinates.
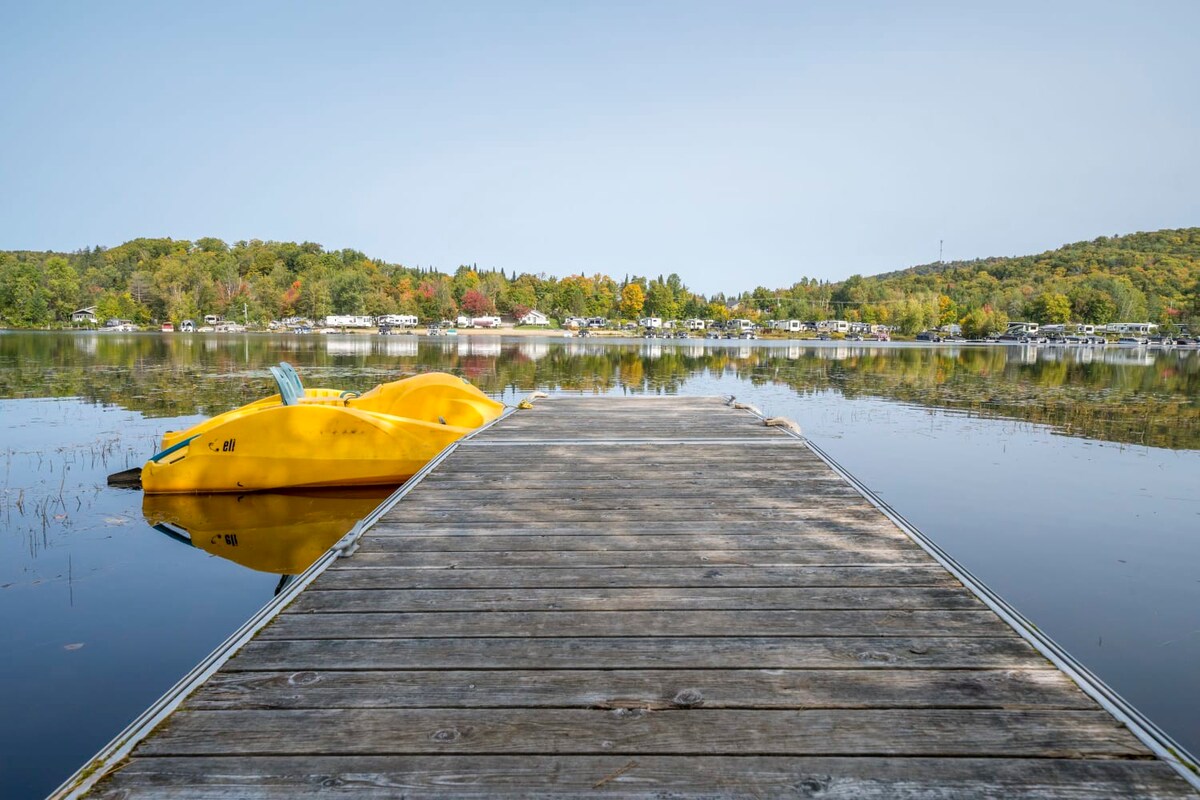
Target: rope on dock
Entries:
(527, 403)
(747, 407)
(782, 422)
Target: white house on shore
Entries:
(84, 315)
(534, 317)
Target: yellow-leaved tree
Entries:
(633, 298)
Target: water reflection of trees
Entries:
(1117, 395)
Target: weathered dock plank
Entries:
(640, 597)
(644, 576)
(537, 624)
(648, 689)
(643, 599)
(678, 540)
(641, 652)
(646, 776)
(581, 559)
(421, 731)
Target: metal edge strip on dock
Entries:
(1155, 738)
(612, 442)
(87, 776)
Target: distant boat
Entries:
(168, 327)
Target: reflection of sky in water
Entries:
(100, 614)
(1095, 541)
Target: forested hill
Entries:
(1140, 277)
(1115, 254)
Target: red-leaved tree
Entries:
(477, 304)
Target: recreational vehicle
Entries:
(349, 321)
(834, 326)
(398, 321)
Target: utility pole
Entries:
(940, 261)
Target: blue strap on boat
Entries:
(173, 448)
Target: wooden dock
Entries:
(659, 597)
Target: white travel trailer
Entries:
(695, 324)
(349, 321)
(740, 325)
(1021, 328)
(1131, 327)
(834, 326)
(650, 322)
(398, 320)
(789, 325)
(485, 322)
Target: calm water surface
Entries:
(1066, 480)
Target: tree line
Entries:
(1142, 277)
(1113, 396)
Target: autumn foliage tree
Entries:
(633, 298)
(477, 304)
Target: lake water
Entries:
(1067, 480)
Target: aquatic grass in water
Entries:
(97, 617)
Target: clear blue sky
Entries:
(737, 143)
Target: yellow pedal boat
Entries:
(320, 437)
